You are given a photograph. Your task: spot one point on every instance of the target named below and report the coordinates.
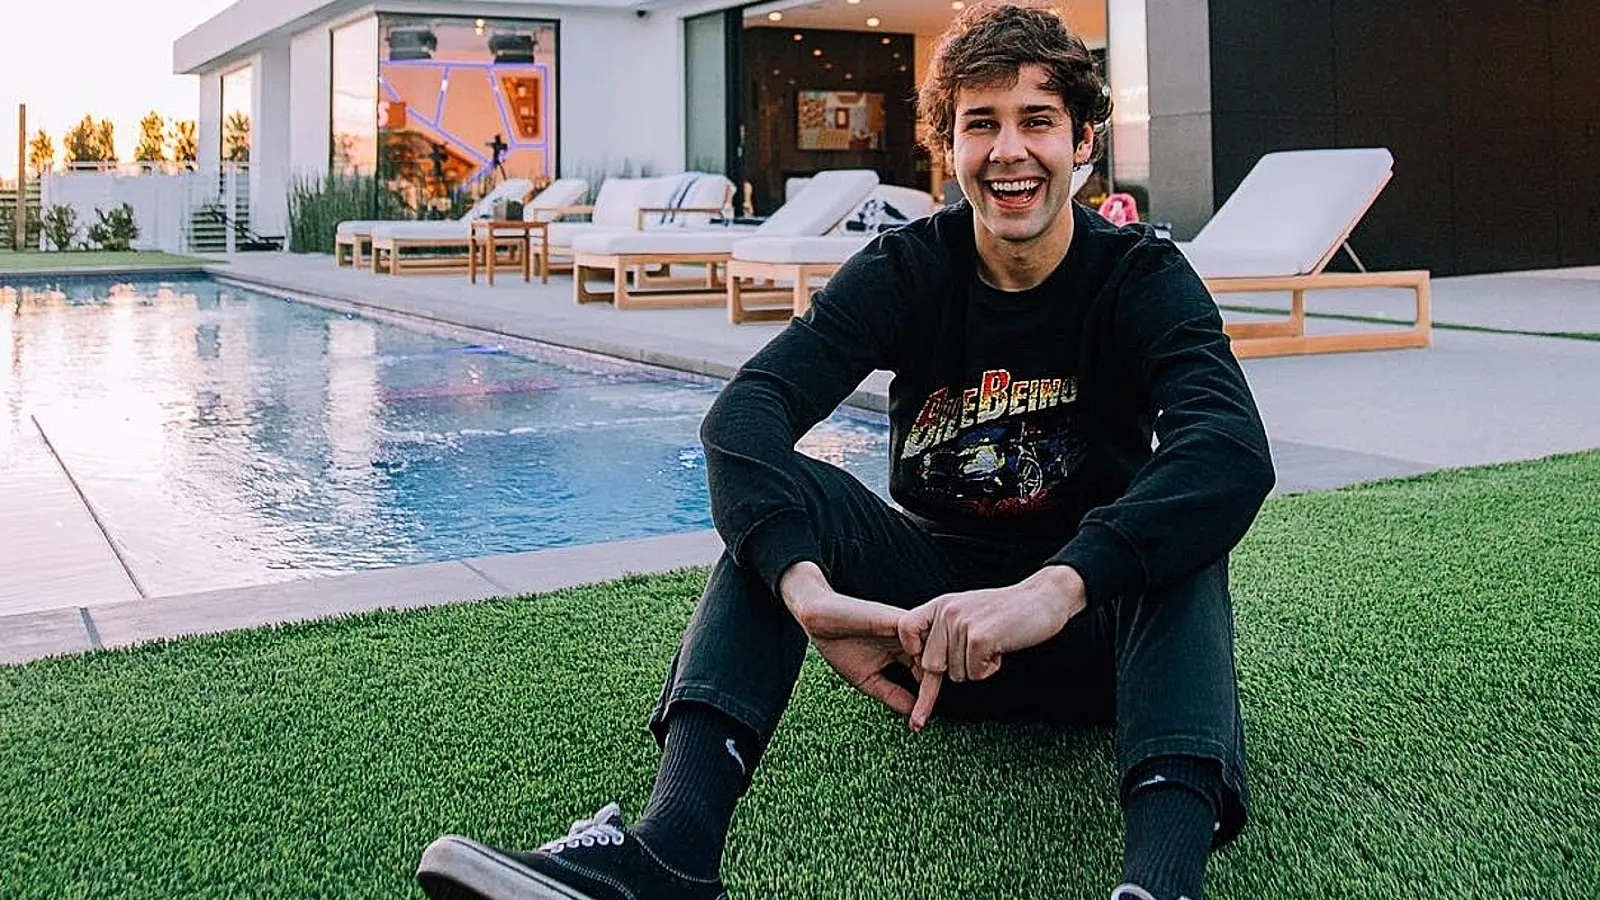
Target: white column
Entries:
(209, 122)
(269, 141)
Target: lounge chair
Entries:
(686, 201)
(353, 239)
(1288, 219)
(823, 205)
(803, 262)
(800, 262)
(392, 239)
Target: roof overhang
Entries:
(247, 25)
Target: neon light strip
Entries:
(444, 85)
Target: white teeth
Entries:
(1026, 185)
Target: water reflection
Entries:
(229, 438)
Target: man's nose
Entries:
(1008, 145)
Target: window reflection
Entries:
(355, 98)
(462, 104)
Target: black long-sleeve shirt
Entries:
(1025, 416)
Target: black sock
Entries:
(705, 767)
(1172, 816)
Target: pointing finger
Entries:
(927, 695)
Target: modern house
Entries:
(1491, 109)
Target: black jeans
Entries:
(1158, 667)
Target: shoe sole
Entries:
(458, 868)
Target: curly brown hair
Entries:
(988, 44)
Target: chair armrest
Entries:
(561, 212)
(646, 210)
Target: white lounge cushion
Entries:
(360, 228)
(423, 231)
(1290, 212)
(510, 189)
(562, 234)
(617, 204)
(1226, 262)
(710, 241)
(826, 200)
(697, 190)
(826, 250)
(559, 193)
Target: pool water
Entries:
(227, 437)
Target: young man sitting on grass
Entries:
(1045, 563)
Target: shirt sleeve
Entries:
(1201, 489)
(788, 386)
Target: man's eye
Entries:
(1040, 122)
(979, 124)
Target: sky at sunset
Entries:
(109, 58)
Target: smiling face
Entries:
(1013, 150)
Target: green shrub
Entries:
(318, 203)
(116, 229)
(60, 226)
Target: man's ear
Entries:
(1085, 147)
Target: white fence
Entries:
(197, 211)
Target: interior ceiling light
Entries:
(798, 36)
(775, 16)
(817, 52)
(873, 21)
(957, 5)
(852, 2)
(886, 40)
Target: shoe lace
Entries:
(603, 829)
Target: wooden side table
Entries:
(490, 234)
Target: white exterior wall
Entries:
(269, 142)
(208, 125)
(620, 82)
(621, 91)
(310, 86)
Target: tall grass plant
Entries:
(318, 203)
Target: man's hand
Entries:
(965, 635)
(858, 638)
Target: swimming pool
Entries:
(226, 437)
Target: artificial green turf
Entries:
(131, 260)
(1419, 665)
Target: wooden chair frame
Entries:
(1288, 337)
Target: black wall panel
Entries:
(1576, 193)
(1492, 110)
(1271, 57)
(1412, 223)
(1575, 59)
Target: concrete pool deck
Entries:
(1475, 397)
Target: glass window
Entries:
(707, 85)
(462, 105)
(237, 87)
(354, 127)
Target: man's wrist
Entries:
(1063, 588)
(799, 584)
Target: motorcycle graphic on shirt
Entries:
(1005, 447)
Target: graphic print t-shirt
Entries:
(1000, 442)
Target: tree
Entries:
(41, 153)
(108, 140)
(89, 142)
(152, 139)
(236, 138)
(185, 145)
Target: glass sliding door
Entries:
(711, 79)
